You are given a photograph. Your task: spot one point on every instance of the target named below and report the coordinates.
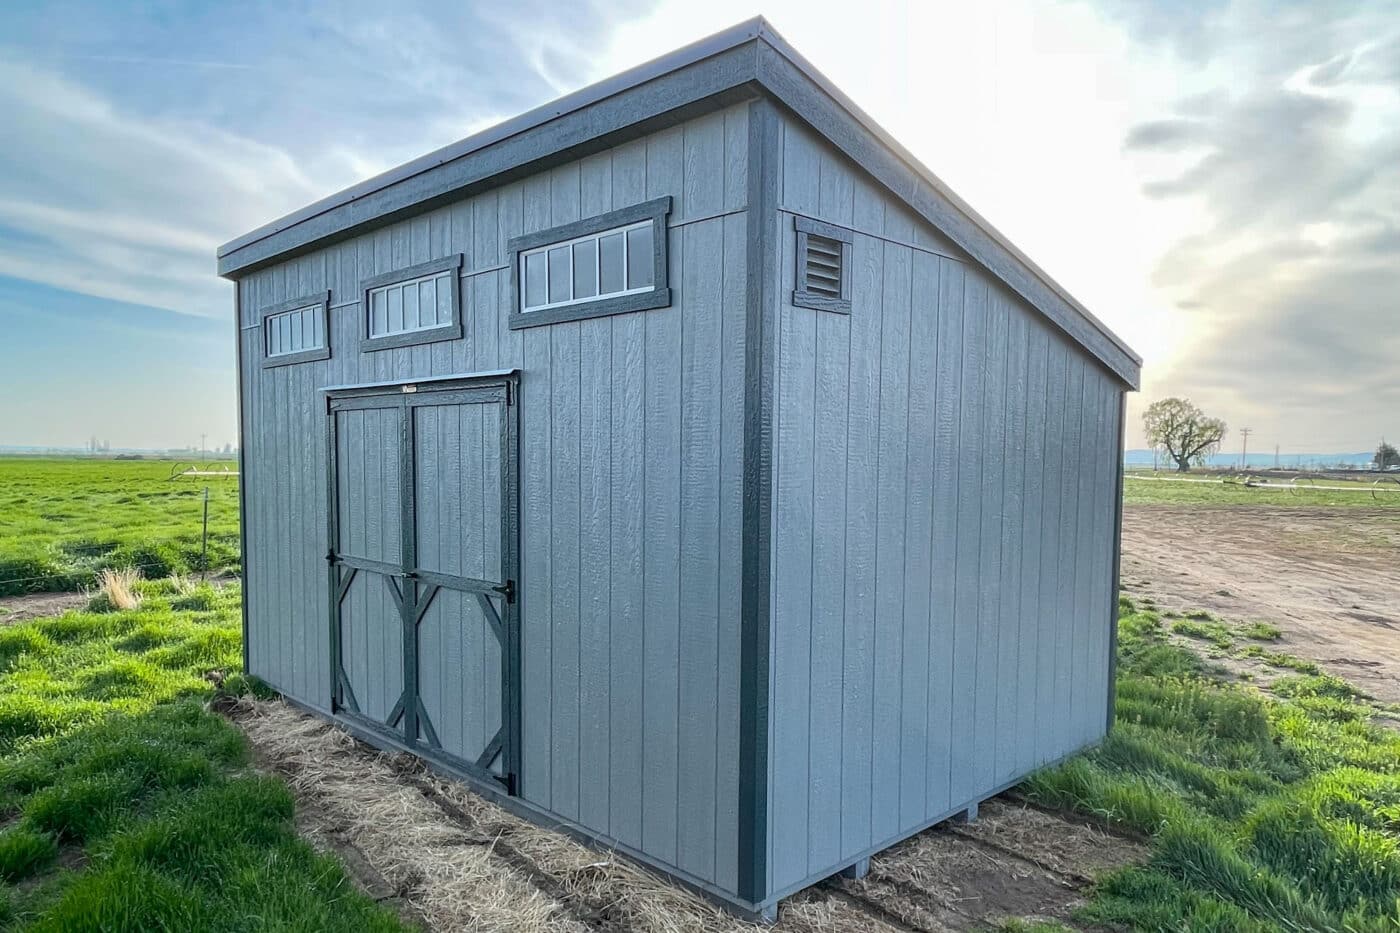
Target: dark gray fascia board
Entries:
(726, 68)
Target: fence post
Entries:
(204, 541)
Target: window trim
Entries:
(802, 298)
(452, 330)
(656, 210)
(321, 302)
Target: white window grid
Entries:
(431, 302)
(597, 271)
(294, 331)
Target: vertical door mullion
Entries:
(332, 550)
(510, 653)
(408, 547)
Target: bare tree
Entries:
(1183, 431)
(1386, 456)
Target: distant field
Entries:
(1139, 488)
(63, 520)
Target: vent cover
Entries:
(823, 266)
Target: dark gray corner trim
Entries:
(658, 209)
(801, 298)
(808, 94)
(449, 331)
(761, 299)
(244, 384)
(319, 300)
(1117, 562)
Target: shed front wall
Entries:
(943, 514)
(631, 453)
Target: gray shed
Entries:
(683, 465)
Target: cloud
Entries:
(1291, 283)
(126, 167)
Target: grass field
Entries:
(127, 804)
(1266, 811)
(63, 520)
(1140, 489)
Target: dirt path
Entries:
(449, 860)
(1329, 578)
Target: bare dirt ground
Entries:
(446, 859)
(1328, 578)
(38, 605)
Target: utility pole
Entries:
(202, 445)
(1244, 447)
(1275, 456)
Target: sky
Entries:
(1217, 180)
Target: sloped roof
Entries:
(726, 68)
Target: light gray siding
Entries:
(942, 538)
(631, 455)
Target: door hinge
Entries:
(330, 557)
(507, 590)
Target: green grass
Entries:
(1264, 813)
(1261, 631)
(63, 520)
(1148, 492)
(1214, 632)
(127, 805)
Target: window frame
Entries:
(452, 330)
(802, 298)
(656, 211)
(321, 302)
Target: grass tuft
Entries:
(116, 590)
(23, 852)
(1261, 631)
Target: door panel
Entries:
(425, 629)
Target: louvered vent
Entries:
(823, 257)
(823, 267)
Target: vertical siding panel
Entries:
(452, 233)
(736, 157)
(833, 356)
(627, 597)
(595, 490)
(989, 538)
(943, 576)
(535, 536)
(1067, 629)
(967, 593)
(801, 179)
(664, 171)
(480, 291)
(1089, 601)
(700, 502)
(1008, 714)
(1031, 659)
(792, 583)
(918, 563)
(731, 521)
(858, 662)
(1054, 649)
(892, 464)
(564, 526)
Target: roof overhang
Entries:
(738, 64)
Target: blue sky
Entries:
(1218, 180)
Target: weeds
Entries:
(1265, 814)
(1214, 632)
(108, 754)
(116, 590)
(1261, 631)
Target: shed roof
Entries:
(723, 69)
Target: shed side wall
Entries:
(944, 473)
(631, 456)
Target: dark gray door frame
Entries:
(413, 589)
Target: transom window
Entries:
(609, 264)
(419, 304)
(295, 331)
(600, 265)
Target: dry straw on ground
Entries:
(448, 859)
